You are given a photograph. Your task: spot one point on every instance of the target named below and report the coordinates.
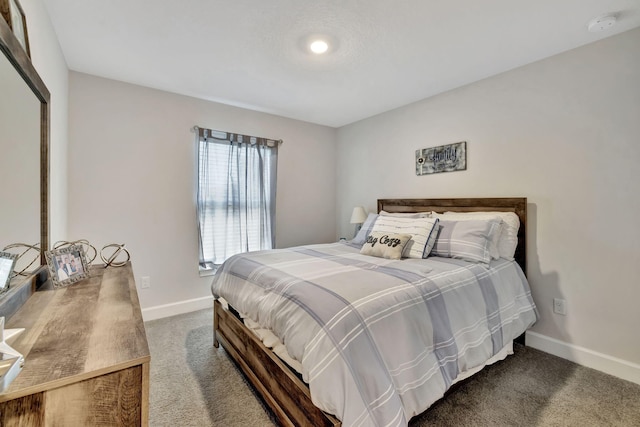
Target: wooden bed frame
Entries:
(282, 390)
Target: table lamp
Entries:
(358, 216)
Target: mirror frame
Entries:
(11, 48)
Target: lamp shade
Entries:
(358, 216)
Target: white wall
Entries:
(563, 132)
(50, 64)
(132, 178)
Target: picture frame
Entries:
(13, 14)
(67, 265)
(7, 265)
(443, 158)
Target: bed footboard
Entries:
(286, 395)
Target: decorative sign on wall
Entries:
(444, 158)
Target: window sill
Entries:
(205, 273)
(207, 270)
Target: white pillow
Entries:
(423, 231)
(407, 214)
(508, 239)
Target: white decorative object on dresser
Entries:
(11, 362)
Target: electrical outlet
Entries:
(146, 282)
(560, 306)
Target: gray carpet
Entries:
(194, 384)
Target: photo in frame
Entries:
(67, 265)
(7, 265)
(13, 14)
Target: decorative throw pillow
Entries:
(508, 239)
(362, 235)
(385, 245)
(422, 230)
(466, 240)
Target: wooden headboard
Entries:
(500, 204)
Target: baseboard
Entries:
(592, 359)
(181, 307)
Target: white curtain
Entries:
(236, 195)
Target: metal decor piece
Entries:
(112, 260)
(23, 263)
(444, 158)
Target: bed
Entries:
(332, 328)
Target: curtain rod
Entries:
(234, 137)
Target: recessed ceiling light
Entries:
(601, 23)
(319, 47)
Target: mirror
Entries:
(19, 159)
(24, 153)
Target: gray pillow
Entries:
(466, 240)
(362, 235)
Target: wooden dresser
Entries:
(86, 356)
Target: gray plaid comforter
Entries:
(379, 340)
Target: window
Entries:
(236, 195)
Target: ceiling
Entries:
(384, 54)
